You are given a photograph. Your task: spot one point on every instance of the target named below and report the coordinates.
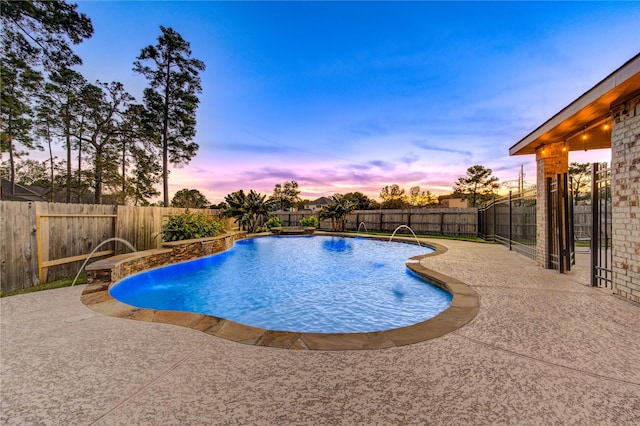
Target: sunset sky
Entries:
(346, 97)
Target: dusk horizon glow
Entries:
(345, 97)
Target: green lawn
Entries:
(442, 237)
(64, 282)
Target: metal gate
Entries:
(601, 249)
(561, 254)
(511, 220)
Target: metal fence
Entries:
(511, 220)
(561, 244)
(601, 246)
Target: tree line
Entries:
(251, 208)
(112, 143)
(478, 186)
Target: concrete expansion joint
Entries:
(546, 290)
(153, 381)
(542, 361)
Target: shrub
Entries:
(273, 222)
(186, 226)
(309, 221)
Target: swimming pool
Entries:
(322, 284)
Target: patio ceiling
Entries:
(589, 115)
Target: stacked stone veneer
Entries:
(551, 160)
(625, 198)
(116, 268)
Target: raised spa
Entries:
(321, 284)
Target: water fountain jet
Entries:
(405, 226)
(108, 240)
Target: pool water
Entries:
(320, 284)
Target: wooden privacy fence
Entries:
(437, 221)
(42, 242)
(74, 224)
(142, 226)
(37, 239)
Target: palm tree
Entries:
(329, 212)
(258, 207)
(337, 211)
(236, 208)
(247, 208)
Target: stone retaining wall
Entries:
(115, 268)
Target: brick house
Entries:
(606, 116)
(21, 192)
(317, 204)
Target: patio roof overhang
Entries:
(589, 115)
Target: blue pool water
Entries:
(307, 284)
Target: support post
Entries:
(548, 225)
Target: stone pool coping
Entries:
(463, 308)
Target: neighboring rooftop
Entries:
(320, 201)
(21, 192)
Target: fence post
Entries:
(510, 221)
(495, 219)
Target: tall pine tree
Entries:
(140, 173)
(18, 85)
(40, 31)
(105, 105)
(34, 34)
(171, 99)
(62, 94)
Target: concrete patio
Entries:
(544, 349)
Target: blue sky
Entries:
(346, 97)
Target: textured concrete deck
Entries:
(543, 349)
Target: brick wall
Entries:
(551, 160)
(625, 183)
